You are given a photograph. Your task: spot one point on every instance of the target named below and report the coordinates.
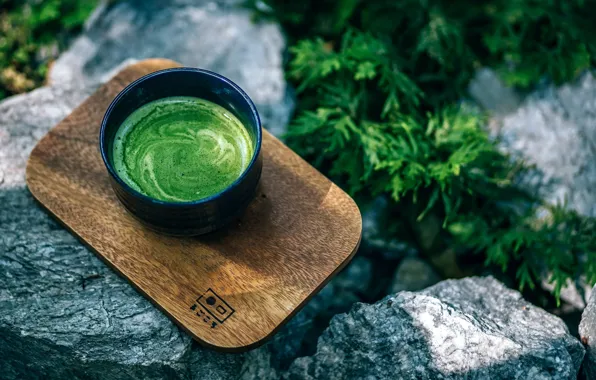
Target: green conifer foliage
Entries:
(29, 27)
(379, 86)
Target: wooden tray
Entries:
(230, 290)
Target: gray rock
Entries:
(24, 119)
(473, 328)
(574, 294)
(491, 93)
(216, 35)
(63, 313)
(554, 130)
(587, 332)
(413, 274)
(356, 277)
(64, 310)
(374, 235)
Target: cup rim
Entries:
(127, 89)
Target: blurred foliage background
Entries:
(380, 86)
(32, 34)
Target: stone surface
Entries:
(356, 277)
(24, 119)
(61, 308)
(374, 236)
(63, 313)
(554, 129)
(574, 294)
(492, 94)
(413, 274)
(473, 328)
(215, 35)
(587, 332)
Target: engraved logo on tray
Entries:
(212, 309)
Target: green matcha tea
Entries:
(181, 149)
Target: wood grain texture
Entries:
(232, 289)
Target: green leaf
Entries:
(380, 86)
(365, 70)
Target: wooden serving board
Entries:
(230, 290)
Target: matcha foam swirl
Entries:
(181, 149)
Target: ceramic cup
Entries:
(204, 215)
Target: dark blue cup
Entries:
(204, 215)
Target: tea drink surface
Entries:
(181, 149)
